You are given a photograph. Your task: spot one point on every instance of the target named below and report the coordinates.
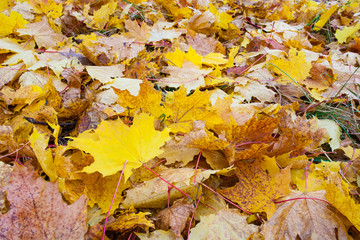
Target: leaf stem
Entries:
(294, 80)
(166, 181)
(192, 217)
(226, 199)
(338, 92)
(117, 187)
(292, 199)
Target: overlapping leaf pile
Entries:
(228, 119)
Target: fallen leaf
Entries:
(100, 190)
(158, 235)
(333, 130)
(260, 184)
(189, 75)
(37, 210)
(147, 100)
(177, 151)
(136, 144)
(183, 111)
(155, 193)
(225, 224)
(139, 33)
(43, 34)
(129, 220)
(294, 70)
(39, 143)
(343, 202)
(343, 35)
(175, 217)
(325, 17)
(306, 216)
(106, 74)
(11, 23)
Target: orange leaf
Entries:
(260, 184)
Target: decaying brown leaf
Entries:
(306, 216)
(37, 210)
(175, 217)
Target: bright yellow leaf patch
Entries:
(296, 69)
(113, 143)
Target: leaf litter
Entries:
(195, 119)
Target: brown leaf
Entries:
(139, 33)
(175, 217)
(110, 50)
(306, 217)
(43, 34)
(202, 44)
(37, 210)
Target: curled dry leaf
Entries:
(129, 220)
(175, 217)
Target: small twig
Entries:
(166, 181)
(192, 217)
(293, 199)
(237, 206)
(14, 151)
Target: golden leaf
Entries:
(136, 144)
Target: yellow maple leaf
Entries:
(148, 100)
(51, 8)
(174, 10)
(316, 176)
(4, 4)
(10, 23)
(343, 35)
(214, 59)
(222, 19)
(39, 143)
(113, 143)
(178, 57)
(101, 16)
(343, 202)
(184, 110)
(193, 56)
(325, 17)
(296, 68)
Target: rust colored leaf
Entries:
(175, 217)
(37, 210)
(260, 184)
